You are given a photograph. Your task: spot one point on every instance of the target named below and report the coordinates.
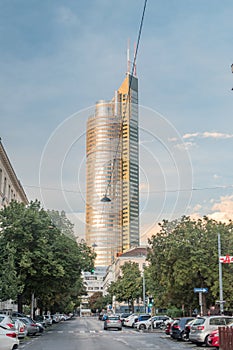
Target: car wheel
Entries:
(184, 336)
(206, 341)
(142, 326)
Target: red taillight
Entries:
(200, 328)
(33, 325)
(11, 335)
(176, 327)
(21, 329)
(10, 325)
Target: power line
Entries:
(105, 198)
(149, 191)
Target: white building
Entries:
(10, 186)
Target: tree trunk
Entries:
(20, 303)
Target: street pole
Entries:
(144, 290)
(32, 305)
(221, 302)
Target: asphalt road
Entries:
(87, 334)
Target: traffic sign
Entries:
(226, 259)
(200, 290)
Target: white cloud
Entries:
(216, 135)
(220, 211)
(224, 206)
(197, 208)
(185, 146)
(190, 135)
(207, 134)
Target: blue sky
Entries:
(59, 57)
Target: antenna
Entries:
(135, 65)
(128, 57)
(105, 197)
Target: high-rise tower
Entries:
(112, 174)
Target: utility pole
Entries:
(221, 302)
(144, 290)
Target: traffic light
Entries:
(92, 271)
(150, 302)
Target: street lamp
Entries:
(105, 199)
(221, 302)
(143, 290)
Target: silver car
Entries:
(113, 322)
(203, 326)
(31, 326)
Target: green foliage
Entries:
(97, 301)
(39, 257)
(128, 286)
(183, 256)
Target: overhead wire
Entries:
(105, 198)
(223, 187)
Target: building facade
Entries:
(10, 189)
(10, 186)
(112, 174)
(136, 255)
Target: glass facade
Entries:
(112, 171)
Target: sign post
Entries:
(200, 291)
(221, 304)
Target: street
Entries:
(87, 333)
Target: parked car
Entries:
(213, 339)
(178, 328)
(141, 318)
(6, 321)
(20, 327)
(48, 320)
(104, 317)
(203, 326)
(145, 324)
(8, 338)
(159, 321)
(113, 321)
(55, 318)
(168, 327)
(32, 327)
(40, 319)
(187, 330)
(131, 320)
(123, 316)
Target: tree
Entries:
(45, 262)
(61, 221)
(184, 255)
(128, 286)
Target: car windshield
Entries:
(113, 318)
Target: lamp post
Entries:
(143, 291)
(221, 302)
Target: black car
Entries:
(178, 328)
